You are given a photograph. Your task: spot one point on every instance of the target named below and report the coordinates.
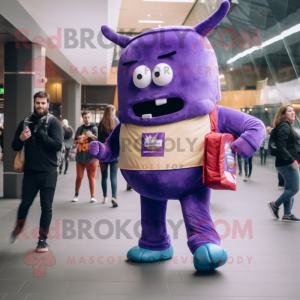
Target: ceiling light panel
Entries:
(183, 1)
(149, 21)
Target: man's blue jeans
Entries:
(291, 179)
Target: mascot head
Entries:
(168, 74)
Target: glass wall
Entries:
(258, 51)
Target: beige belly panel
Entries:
(165, 147)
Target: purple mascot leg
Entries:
(155, 243)
(154, 229)
(203, 239)
(199, 225)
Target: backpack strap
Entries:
(48, 117)
(214, 120)
(28, 117)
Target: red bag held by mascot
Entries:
(219, 163)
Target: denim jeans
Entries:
(263, 155)
(113, 176)
(291, 179)
(248, 166)
(261, 151)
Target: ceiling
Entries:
(171, 13)
(93, 63)
(45, 18)
(7, 34)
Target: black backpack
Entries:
(59, 154)
(67, 133)
(272, 146)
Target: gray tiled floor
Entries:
(263, 267)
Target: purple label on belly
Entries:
(153, 144)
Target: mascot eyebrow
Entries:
(130, 62)
(162, 56)
(167, 55)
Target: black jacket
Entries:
(40, 148)
(287, 143)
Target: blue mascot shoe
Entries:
(139, 254)
(209, 257)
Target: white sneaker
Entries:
(104, 200)
(114, 202)
(93, 200)
(75, 199)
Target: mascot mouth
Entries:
(157, 108)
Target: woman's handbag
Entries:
(19, 163)
(73, 151)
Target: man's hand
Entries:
(26, 134)
(294, 165)
(89, 134)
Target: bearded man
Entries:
(41, 135)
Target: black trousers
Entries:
(248, 166)
(34, 181)
(280, 180)
(66, 159)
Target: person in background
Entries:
(85, 134)
(248, 168)
(68, 133)
(106, 126)
(41, 144)
(280, 181)
(1, 139)
(261, 152)
(265, 144)
(240, 164)
(287, 143)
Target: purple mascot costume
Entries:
(168, 84)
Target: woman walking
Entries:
(266, 143)
(106, 126)
(287, 143)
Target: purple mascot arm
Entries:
(109, 150)
(249, 130)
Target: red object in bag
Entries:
(219, 163)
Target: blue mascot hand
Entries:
(243, 148)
